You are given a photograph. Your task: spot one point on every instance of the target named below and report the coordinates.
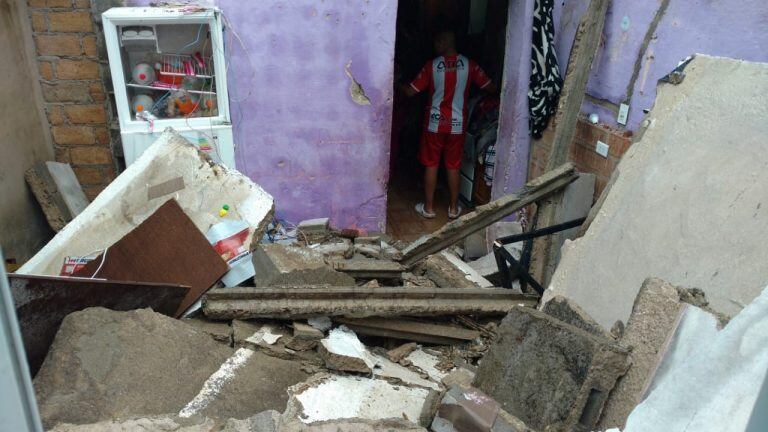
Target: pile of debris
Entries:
(199, 311)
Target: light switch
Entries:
(623, 113)
(602, 149)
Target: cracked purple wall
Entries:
(297, 130)
(511, 170)
(728, 28)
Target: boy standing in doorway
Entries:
(448, 77)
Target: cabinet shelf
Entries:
(149, 87)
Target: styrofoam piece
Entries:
(716, 387)
(124, 204)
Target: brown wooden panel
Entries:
(167, 247)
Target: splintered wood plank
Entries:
(416, 331)
(168, 248)
(487, 214)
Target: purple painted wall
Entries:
(728, 28)
(298, 132)
(513, 142)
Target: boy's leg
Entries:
(454, 149)
(429, 156)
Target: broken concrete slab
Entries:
(649, 228)
(413, 330)
(166, 423)
(317, 400)
(220, 331)
(314, 230)
(105, 364)
(487, 214)
(459, 376)
(231, 390)
(716, 386)
(58, 192)
(293, 265)
(306, 332)
(265, 421)
(489, 269)
(548, 373)
(410, 279)
(124, 204)
(343, 351)
(255, 334)
(469, 409)
(369, 268)
(399, 353)
(358, 302)
(656, 316)
(336, 248)
(569, 312)
(427, 363)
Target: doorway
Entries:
(480, 30)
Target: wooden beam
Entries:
(487, 214)
(583, 51)
(411, 330)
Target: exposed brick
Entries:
(79, 22)
(58, 45)
(73, 135)
(89, 46)
(82, 4)
(86, 114)
(93, 192)
(618, 144)
(90, 155)
(77, 69)
(46, 70)
(97, 92)
(39, 23)
(61, 154)
(89, 175)
(58, 4)
(102, 135)
(36, 3)
(55, 115)
(109, 173)
(66, 92)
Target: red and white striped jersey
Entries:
(448, 78)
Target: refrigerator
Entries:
(168, 69)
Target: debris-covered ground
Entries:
(266, 326)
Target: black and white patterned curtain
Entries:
(546, 82)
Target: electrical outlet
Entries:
(602, 149)
(623, 113)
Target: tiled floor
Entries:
(405, 191)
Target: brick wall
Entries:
(74, 95)
(582, 151)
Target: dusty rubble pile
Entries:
(326, 330)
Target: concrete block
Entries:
(656, 317)
(292, 265)
(343, 351)
(306, 332)
(569, 312)
(314, 230)
(487, 267)
(548, 373)
(448, 271)
(469, 409)
(357, 425)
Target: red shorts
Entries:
(451, 146)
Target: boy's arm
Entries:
(420, 83)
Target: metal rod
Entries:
(541, 232)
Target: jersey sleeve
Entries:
(423, 79)
(477, 75)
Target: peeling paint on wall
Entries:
(355, 89)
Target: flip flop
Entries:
(420, 210)
(455, 215)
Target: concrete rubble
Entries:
(467, 408)
(343, 351)
(201, 187)
(57, 191)
(291, 265)
(562, 391)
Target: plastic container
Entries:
(228, 238)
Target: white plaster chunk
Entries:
(321, 323)
(344, 342)
(267, 334)
(213, 385)
(388, 369)
(124, 204)
(469, 273)
(428, 363)
(345, 397)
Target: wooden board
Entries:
(485, 215)
(166, 248)
(583, 51)
(416, 331)
(42, 302)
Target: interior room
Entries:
(480, 29)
